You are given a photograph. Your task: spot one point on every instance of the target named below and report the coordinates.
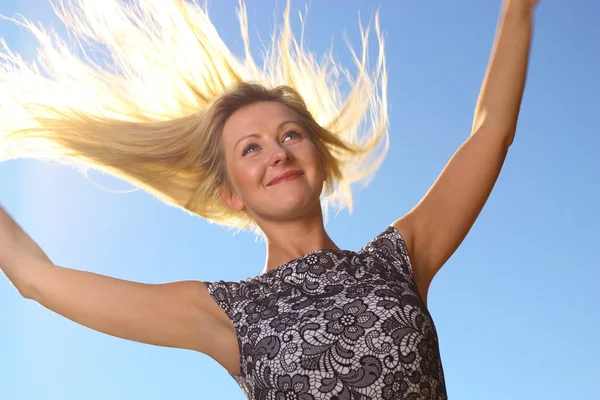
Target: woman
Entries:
(223, 139)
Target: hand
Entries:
(15, 244)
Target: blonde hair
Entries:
(150, 85)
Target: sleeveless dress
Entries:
(336, 325)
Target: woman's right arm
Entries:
(178, 314)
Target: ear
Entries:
(230, 199)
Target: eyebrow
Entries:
(257, 135)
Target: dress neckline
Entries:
(296, 260)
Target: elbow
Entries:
(30, 277)
(26, 290)
(30, 294)
(502, 128)
(501, 138)
(19, 283)
(508, 141)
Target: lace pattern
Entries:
(336, 325)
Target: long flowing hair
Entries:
(142, 90)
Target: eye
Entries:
(249, 149)
(291, 135)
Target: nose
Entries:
(280, 155)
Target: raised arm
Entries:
(178, 314)
(434, 229)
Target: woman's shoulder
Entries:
(390, 241)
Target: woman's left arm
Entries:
(437, 225)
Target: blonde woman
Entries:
(266, 148)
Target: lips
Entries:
(286, 176)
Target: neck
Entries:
(296, 238)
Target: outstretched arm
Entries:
(434, 229)
(178, 314)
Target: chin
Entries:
(291, 207)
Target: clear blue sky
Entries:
(517, 306)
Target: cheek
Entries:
(314, 157)
(244, 175)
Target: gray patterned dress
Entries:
(336, 325)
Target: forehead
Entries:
(261, 118)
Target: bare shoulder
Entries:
(218, 337)
(213, 332)
(204, 326)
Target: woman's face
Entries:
(273, 167)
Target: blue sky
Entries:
(516, 307)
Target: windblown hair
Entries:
(147, 91)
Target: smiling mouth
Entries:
(290, 176)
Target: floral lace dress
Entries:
(336, 325)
